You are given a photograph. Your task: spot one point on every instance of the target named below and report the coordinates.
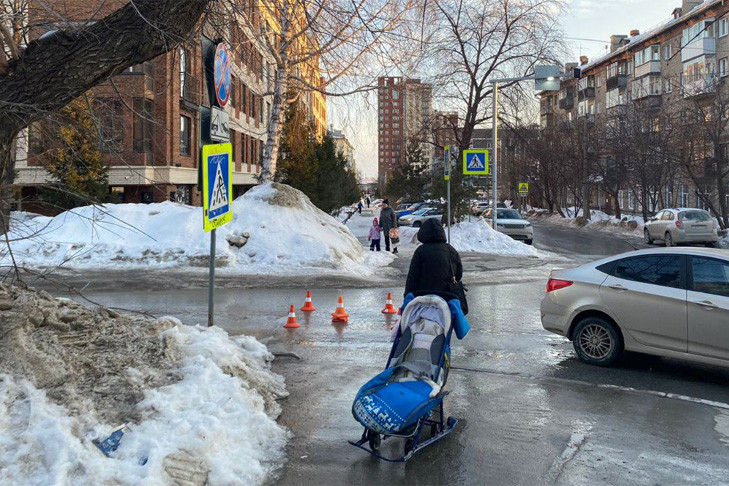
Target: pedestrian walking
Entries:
(359, 207)
(436, 266)
(388, 221)
(368, 201)
(374, 236)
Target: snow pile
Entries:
(598, 220)
(276, 229)
(724, 242)
(476, 237)
(200, 407)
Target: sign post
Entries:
(447, 177)
(217, 169)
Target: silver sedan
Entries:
(667, 302)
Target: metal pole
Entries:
(449, 208)
(211, 282)
(494, 155)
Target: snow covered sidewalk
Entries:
(200, 407)
(275, 230)
(598, 221)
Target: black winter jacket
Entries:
(435, 262)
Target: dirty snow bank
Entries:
(200, 406)
(598, 220)
(276, 229)
(477, 236)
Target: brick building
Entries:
(404, 112)
(671, 70)
(149, 117)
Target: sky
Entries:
(588, 26)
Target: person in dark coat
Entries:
(388, 220)
(435, 262)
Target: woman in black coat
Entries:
(435, 263)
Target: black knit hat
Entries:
(386, 201)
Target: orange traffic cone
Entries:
(291, 322)
(340, 315)
(389, 308)
(308, 305)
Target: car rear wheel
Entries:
(647, 236)
(528, 242)
(710, 244)
(668, 239)
(597, 342)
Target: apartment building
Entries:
(344, 147)
(404, 112)
(150, 116)
(679, 64)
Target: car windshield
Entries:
(413, 207)
(509, 214)
(421, 212)
(696, 216)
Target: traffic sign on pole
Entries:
(523, 188)
(447, 163)
(476, 162)
(217, 172)
(221, 75)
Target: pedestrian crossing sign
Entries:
(476, 162)
(217, 179)
(524, 188)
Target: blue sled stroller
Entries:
(407, 398)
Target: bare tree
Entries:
(325, 47)
(702, 144)
(48, 73)
(476, 41)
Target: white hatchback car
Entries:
(511, 223)
(668, 302)
(417, 218)
(674, 226)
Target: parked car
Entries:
(409, 209)
(675, 226)
(511, 223)
(479, 207)
(416, 219)
(668, 302)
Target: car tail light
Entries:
(679, 224)
(556, 284)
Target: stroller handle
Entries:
(447, 296)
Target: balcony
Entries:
(698, 86)
(649, 102)
(190, 95)
(586, 93)
(567, 103)
(650, 67)
(700, 47)
(546, 108)
(618, 81)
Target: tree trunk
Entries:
(275, 127)
(618, 209)
(7, 175)
(586, 201)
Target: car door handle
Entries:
(617, 287)
(706, 304)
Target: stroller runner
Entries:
(406, 399)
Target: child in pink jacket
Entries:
(374, 236)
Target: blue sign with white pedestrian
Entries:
(476, 162)
(217, 185)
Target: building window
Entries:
(184, 135)
(143, 109)
(722, 67)
(111, 125)
(598, 79)
(684, 197)
(723, 27)
(667, 52)
(183, 71)
(631, 200)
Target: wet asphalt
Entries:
(530, 412)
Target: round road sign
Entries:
(222, 74)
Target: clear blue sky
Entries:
(586, 19)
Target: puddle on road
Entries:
(722, 427)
